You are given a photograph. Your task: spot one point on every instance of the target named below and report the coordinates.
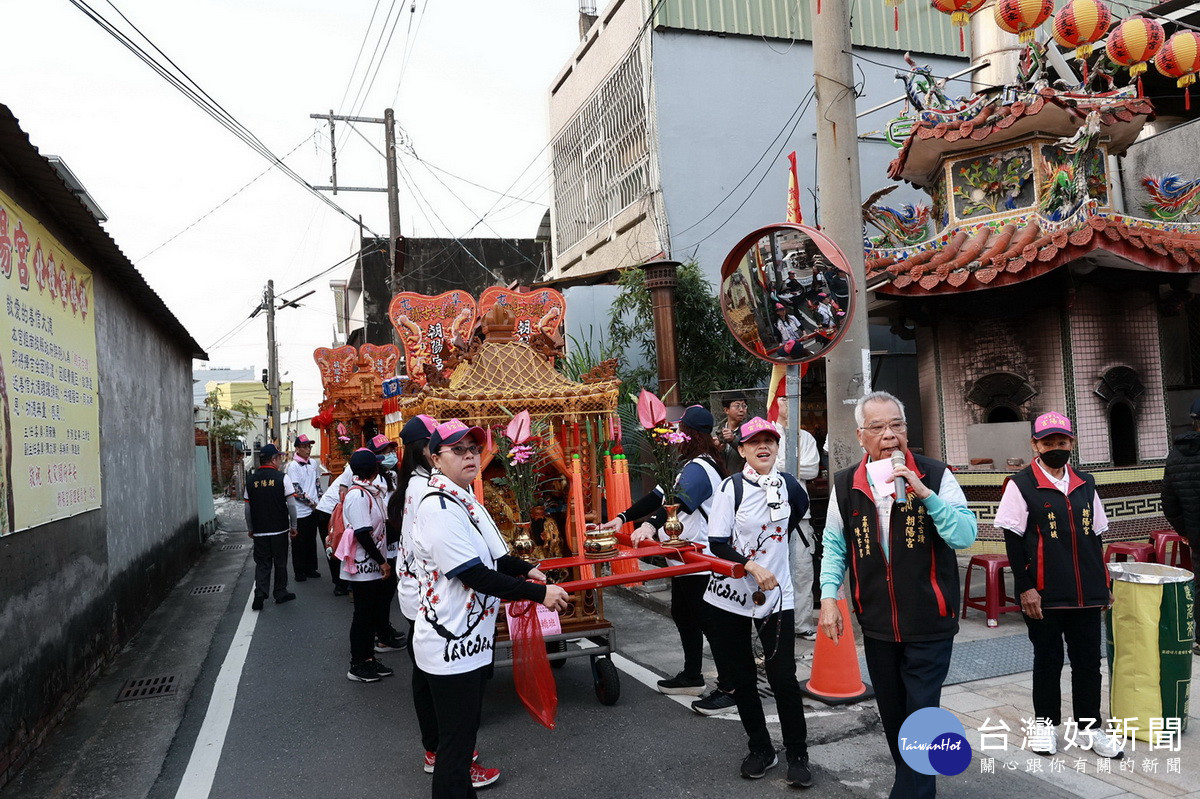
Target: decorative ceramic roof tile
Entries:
(978, 256)
(936, 133)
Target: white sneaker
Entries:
(1102, 743)
(1043, 739)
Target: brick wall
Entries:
(1027, 345)
(1111, 329)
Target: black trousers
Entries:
(729, 636)
(907, 676)
(335, 565)
(688, 613)
(388, 632)
(304, 546)
(423, 699)
(369, 596)
(458, 702)
(270, 554)
(1080, 628)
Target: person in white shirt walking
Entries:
(753, 514)
(464, 570)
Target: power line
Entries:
(179, 79)
(408, 51)
(224, 202)
(355, 104)
(361, 47)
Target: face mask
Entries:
(1056, 458)
(389, 461)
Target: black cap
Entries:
(697, 417)
(363, 460)
(418, 428)
(267, 452)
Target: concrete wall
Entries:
(75, 590)
(1158, 156)
(721, 101)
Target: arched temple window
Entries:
(1001, 395)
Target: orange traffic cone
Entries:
(836, 678)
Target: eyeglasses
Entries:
(897, 426)
(461, 450)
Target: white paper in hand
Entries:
(881, 475)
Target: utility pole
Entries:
(848, 367)
(393, 188)
(389, 137)
(272, 363)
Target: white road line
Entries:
(206, 754)
(649, 679)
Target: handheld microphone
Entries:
(901, 487)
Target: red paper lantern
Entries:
(1080, 24)
(1179, 58)
(1023, 17)
(960, 14)
(1134, 42)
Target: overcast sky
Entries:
(472, 101)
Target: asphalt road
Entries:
(297, 728)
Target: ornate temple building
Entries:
(1033, 281)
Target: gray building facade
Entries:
(76, 589)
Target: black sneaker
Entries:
(679, 684)
(300, 578)
(288, 597)
(392, 644)
(380, 669)
(257, 604)
(363, 672)
(798, 771)
(340, 590)
(756, 764)
(314, 573)
(716, 702)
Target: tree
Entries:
(709, 358)
(227, 424)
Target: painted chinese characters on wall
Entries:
(49, 413)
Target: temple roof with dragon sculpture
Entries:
(1020, 184)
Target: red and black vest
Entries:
(268, 504)
(912, 595)
(1066, 558)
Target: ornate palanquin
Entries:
(507, 364)
(353, 381)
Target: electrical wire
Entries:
(378, 64)
(408, 51)
(184, 83)
(782, 146)
(371, 62)
(221, 204)
(361, 47)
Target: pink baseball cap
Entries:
(452, 432)
(755, 426)
(381, 442)
(1052, 423)
(303, 441)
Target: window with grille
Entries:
(601, 158)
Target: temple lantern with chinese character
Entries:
(1179, 58)
(1023, 17)
(1133, 43)
(1080, 24)
(960, 14)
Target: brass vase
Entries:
(522, 546)
(673, 527)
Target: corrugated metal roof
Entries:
(31, 168)
(922, 28)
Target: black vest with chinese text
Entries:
(912, 595)
(268, 504)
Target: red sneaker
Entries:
(431, 761)
(481, 777)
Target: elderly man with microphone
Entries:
(897, 537)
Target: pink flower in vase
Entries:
(520, 454)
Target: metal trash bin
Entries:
(1150, 634)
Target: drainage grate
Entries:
(147, 688)
(232, 547)
(208, 589)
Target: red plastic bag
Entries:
(531, 668)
